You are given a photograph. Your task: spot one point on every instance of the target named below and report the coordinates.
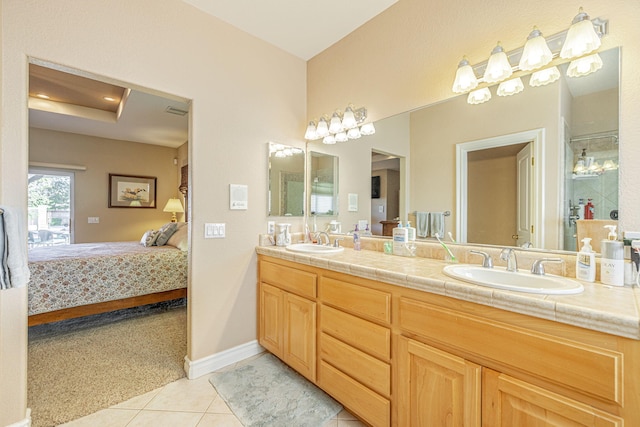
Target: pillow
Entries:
(179, 238)
(149, 238)
(165, 232)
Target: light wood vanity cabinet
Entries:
(400, 357)
(287, 316)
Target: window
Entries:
(50, 207)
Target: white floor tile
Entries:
(106, 418)
(218, 406)
(184, 395)
(165, 419)
(138, 402)
(219, 420)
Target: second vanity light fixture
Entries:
(341, 126)
(576, 44)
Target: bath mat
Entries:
(265, 392)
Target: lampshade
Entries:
(583, 66)
(367, 129)
(479, 96)
(335, 126)
(174, 206)
(581, 37)
(341, 137)
(353, 133)
(536, 52)
(465, 78)
(311, 133)
(609, 165)
(322, 129)
(349, 119)
(510, 87)
(544, 77)
(329, 139)
(498, 67)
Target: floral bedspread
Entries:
(72, 275)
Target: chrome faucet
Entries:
(538, 265)
(323, 234)
(336, 242)
(487, 261)
(509, 255)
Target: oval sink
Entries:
(500, 278)
(312, 248)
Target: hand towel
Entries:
(436, 226)
(422, 224)
(13, 252)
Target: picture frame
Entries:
(132, 191)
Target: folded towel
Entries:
(422, 224)
(436, 226)
(14, 269)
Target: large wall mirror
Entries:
(286, 180)
(560, 120)
(323, 184)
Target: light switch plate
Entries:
(94, 220)
(214, 231)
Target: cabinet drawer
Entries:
(295, 281)
(551, 358)
(368, 405)
(356, 299)
(368, 370)
(362, 334)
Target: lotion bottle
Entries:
(411, 231)
(612, 262)
(400, 239)
(586, 262)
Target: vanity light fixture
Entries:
(341, 127)
(281, 151)
(539, 54)
(510, 87)
(498, 67)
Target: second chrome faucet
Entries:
(509, 255)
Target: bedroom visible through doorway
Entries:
(50, 202)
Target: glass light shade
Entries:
(510, 87)
(353, 133)
(498, 67)
(581, 37)
(311, 133)
(465, 78)
(579, 168)
(322, 129)
(280, 154)
(367, 129)
(329, 139)
(349, 119)
(583, 66)
(479, 96)
(341, 137)
(609, 165)
(335, 126)
(536, 52)
(544, 77)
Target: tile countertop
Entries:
(609, 309)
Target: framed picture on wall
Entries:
(130, 191)
(375, 187)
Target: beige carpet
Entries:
(78, 367)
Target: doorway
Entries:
(385, 190)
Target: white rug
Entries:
(266, 392)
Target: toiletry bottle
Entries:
(589, 210)
(581, 209)
(612, 262)
(586, 262)
(411, 231)
(400, 239)
(356, 239)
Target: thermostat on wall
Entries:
(238, 196)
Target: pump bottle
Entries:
(586, 262)
(612, 262)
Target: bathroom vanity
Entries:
(398, 343)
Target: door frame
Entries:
(537, 138)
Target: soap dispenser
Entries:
(612, 262)
(586, 262)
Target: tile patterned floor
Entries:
(183, 403)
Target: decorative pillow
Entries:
(149, 238)
(179, 238)
(165, 232)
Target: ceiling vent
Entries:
(176, 111)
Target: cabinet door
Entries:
(436, 388)
(300, 335)
(271, 324)
(510, 402)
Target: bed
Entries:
(69, 281)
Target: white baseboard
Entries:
(209, 364)
(23, 423)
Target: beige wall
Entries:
(406, 58)
(244, 93)
(101, 157)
